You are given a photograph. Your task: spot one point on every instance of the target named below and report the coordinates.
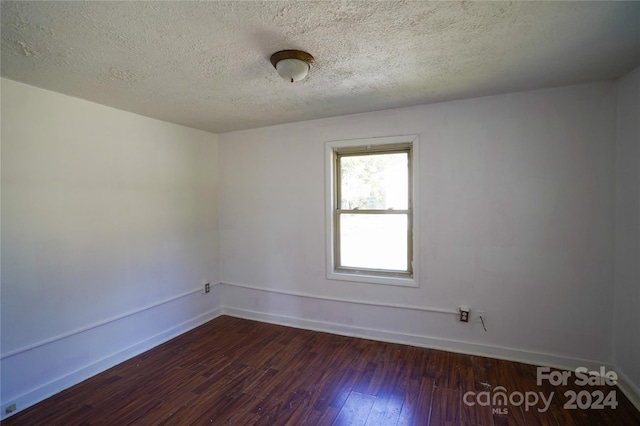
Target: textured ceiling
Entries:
(206, 64)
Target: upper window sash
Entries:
(368, 150)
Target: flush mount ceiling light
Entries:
(292, 65)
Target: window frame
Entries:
(335, 149)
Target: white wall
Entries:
(109, 227)
(517, 219)
(627, 231)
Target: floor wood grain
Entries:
(236, 371)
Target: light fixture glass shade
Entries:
(292, 69)
(292, 65)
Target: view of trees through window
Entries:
(374, 182)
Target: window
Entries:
(371, 220)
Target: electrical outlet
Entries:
(464, 314)
(207, 287)
(10, 409)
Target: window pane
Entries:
(374, 182)
(374, 241)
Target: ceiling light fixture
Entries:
(292, 65)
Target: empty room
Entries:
(323, 213)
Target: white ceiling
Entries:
(206, 64)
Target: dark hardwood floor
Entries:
(235, 371)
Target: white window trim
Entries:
(329, 216)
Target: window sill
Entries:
(373, 279)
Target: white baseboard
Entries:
(509, 354)
(630, 390)
(51, 388)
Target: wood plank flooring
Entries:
(236, 371)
